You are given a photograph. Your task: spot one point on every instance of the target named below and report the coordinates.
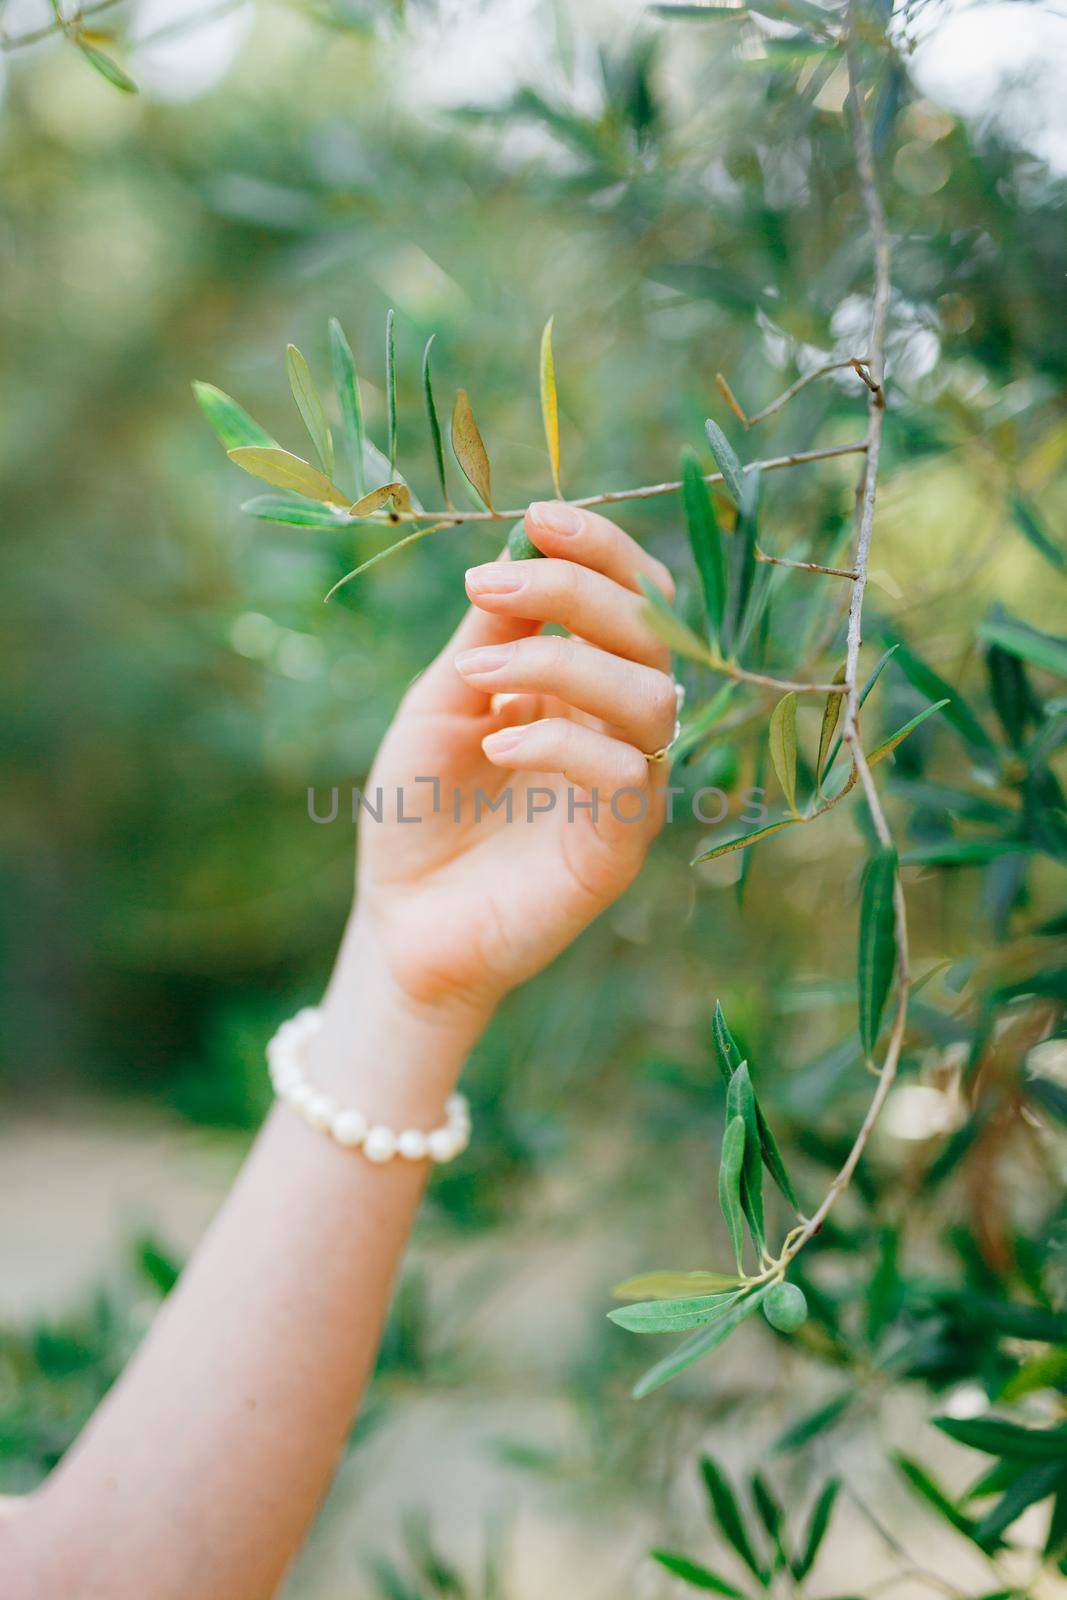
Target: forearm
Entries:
(201, 1473)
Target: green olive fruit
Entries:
(520, 545)
(786, 1308)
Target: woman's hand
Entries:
(507, 862)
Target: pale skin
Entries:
(202, 1471)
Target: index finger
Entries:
(576, 534)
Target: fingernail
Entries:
(494, 580)
(502, 743)
(557, 517)
(487, 658)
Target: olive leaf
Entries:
(297, 513)
(726, 461)
(748, 599)
(383, 555)
(390, 388)
(730, 1166)
(1032, 529)
(668, 625)
(668, 1285)
(309, 405)
(672, 1316)
(782, 743)
(550, 404)
(877, 944)
(432, 420)
(231, 423)
(692, 1572)
(1018, 639)
(729, 1058)
(705, 540)
(930, 683)
(727, 1513)
(817, 1527)
(876, 672)
(830, 717)
(880, 751)
(346, 386)
(741, 1102)
(106, 67)
(470, 449)
(397, 493)
(700, 1343)
(286, 471)
(743, 840)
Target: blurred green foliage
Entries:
(173, 684)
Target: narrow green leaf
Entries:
(748, 597)
(831, 716)
(699, 13)
(672, 1316)
(286, 471)
(668, 625)
(782, 744)
(880, 751)
(1030, 526)
(309, 405)
(296, 513)
(730, 1164)
(1032, 1485)
(696, 1576)
(877, 945)
(817, 1527)
(726, 461)
(879, 667)
(231, 423)
(106, 67)
(383, 555)
(924, 1485)
(935, 687)
(815, 1422)
(390, 387)
(470, 448)
(727, 1052)
(996, 1437)
(772, 1516)
(743, 841)
(346, 386)
(741, 1102)
(432, 421)
(772, 1158)
(1042, 649)
(964, 852)
(674, 1285)
(700, 1343)
(727, 1513)
(705, 540)
(550, 404)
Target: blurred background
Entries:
(172, 684)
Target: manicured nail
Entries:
(504, 742)
(557, 517)
(488, 658)
(494, 580)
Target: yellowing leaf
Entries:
(782, 743)
(309, 405)
(830, 718)
(549, 406)
(470, 448)
(397, 493)
(673, 1285)
(286, 471)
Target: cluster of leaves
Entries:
(760, 1534)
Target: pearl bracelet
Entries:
(349, 1127)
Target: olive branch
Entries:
(712, 1305)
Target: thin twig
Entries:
(65, 25)
(648, 491)
(856, 363)
(850, 732)
(804, 566)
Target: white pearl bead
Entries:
(456, 1105)
(380, 1144)
(441, 1144)
(299, 1095)
(319, 1110)
(461, 1136)
(412, 1145)
(349, 1127)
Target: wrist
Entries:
(392, 1054)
